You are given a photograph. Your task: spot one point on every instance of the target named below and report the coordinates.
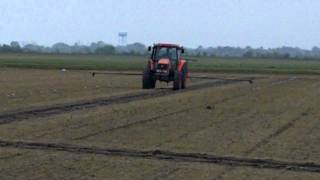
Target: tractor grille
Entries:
(163, 66)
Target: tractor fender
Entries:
(181, 64)
(151, 64)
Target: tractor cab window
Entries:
(163, 52)
(179, 54)
(172, 53)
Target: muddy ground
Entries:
(108, 128)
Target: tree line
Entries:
(284, 52)
(101, 47)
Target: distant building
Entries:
(123, 38)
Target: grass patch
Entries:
(123, 62)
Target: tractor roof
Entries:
(168, 45)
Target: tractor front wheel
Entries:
(148, 81)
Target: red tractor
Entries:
(166, 64)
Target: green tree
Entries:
(107, 49)
(15, 47)
(248, 54)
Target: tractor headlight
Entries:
(161, 71)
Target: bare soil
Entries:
(272, 123)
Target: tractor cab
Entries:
(165, 57)
(169, 53)
(165, 64)
(165, 51)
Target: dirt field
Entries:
(21, 89)
(68, 125)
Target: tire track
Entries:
(64, 108)
(10, 156)
(132, 124)
(272, 84)
(138, 122)
(267, 139)
(151, 119)
(277, 133)
(264, 141)
(169, 156)
(273, 135)
(127, 125)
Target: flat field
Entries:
(137, 63)
(69, 125)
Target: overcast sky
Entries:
(268, 23)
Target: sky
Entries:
(256, 23)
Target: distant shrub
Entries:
(107, 49)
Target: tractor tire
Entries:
(184, 75)
(177, 80)
(148, 82)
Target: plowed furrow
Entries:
(169, 156)
(64, 108)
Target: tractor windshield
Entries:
(164, 52)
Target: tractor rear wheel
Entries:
(148, 81)
(177, 80)
(184, 76)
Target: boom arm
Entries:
(191, 77)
